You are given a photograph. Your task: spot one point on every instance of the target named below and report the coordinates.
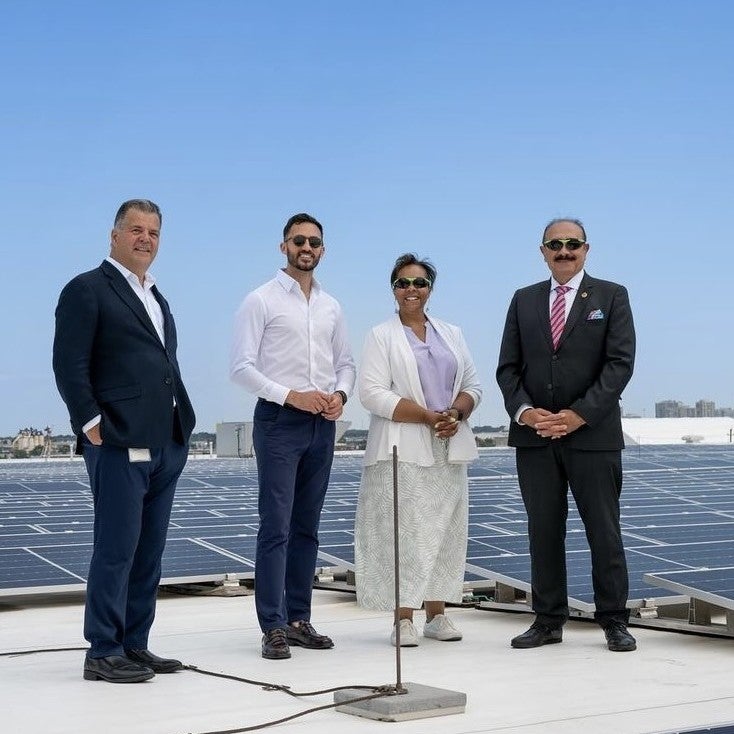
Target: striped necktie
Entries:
(558, 314)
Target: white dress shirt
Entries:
(283, 342)
(152, 307)
(573, 285)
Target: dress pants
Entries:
(595, 479)
(132, 506)
(294, 452)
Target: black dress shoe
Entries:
(156, 664)
(116, 669)
(618, 638)
(303, 634)
(275, 645)
(537, 635)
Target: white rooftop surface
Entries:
(672, 682)
(660, 431)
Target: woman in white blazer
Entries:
(418, 381)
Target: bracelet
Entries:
(343, 396)
(459, 413)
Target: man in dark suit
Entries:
(567, 353)
(114, 358)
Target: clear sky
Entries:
(451, 129)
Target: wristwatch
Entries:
(343, 396)
(459, 414)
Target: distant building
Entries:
(668, 409)
(28, 439)
(676, 409)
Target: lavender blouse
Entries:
(436, 367)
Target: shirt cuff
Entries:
(91, 424)
(520, 411)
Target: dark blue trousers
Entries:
(294, 451)
(132, 506)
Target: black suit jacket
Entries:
(588, 371)
(109, 361)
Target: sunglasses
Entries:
(300, 240)
(571, 244)
(403, 283)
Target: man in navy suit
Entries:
(114, 358)
(567, 353)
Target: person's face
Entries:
(564, 263)
(411, 300)
(303, 257)
(134, 242)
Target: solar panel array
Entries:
(677, 514)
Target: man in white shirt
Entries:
(290, 348)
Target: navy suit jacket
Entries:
(586, 373)
(108, 360)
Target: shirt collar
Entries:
(288, 283)
(573, 284)
(148, 280)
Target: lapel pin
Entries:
(584, 294)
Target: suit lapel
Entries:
(126, 293)
(167, 318)
(579, 304)
(542, 301)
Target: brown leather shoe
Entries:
(275, 645)
(303, 634)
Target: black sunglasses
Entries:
(300, 240)
(571, 244)
(403, 283)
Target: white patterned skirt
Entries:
(433, 516)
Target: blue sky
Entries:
(454, 130)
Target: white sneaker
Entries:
(408, 634)
(441, 628)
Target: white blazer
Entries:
(389, 372)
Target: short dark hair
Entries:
(143, 205)
(410, 258)
(570, 220)
(301, 218)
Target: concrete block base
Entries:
(420, 702)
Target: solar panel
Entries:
(677, 512)
(714, 585)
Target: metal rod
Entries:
(396, 548)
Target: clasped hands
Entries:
(551, 425)
(329, 405)
(444, 424)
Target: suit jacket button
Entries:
(554, 357)
(549, 386)
(168, 381)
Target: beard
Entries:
(293, 261)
